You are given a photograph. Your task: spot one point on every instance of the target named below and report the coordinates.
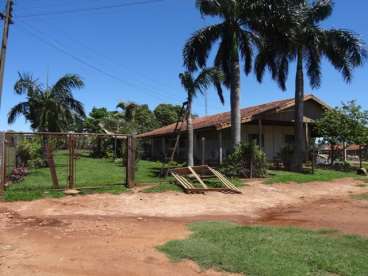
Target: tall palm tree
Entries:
(199, 84)
(50, 109)
(236, 40)
(302, 39)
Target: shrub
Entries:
(248, 160)
(29, 153)
(286, 156)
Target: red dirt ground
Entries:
(117, 235)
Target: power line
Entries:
(149, 82)
(55, 45)
(82, 10)
(54, 4)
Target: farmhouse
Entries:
(271, 125)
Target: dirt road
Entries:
(117, 235)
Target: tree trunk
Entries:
(190, 133)
(332, 154)
(299, 148)
(48, 155)
(235, 104)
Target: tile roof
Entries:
(222, 120)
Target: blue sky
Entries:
(139, 50)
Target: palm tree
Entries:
(50, 109)
(129, 109)
(301, 38)
(199, 84)
(236, 39)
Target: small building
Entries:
(271, 125)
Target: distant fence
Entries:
(15, 148)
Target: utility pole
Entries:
(7, 17)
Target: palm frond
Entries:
(246, 50)
(320, 10)
(26, 84)
(314, 67)
(197, 48)
(209, 7)
(19, 109)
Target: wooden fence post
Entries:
(130, 162)
(71, 147)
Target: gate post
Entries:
(71, 147)
(130, 162)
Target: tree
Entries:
(167, 114)
(333, 128)
(193, 85)
(236, 39)
(347, 124)
(356, 125)
(138, 118)
(301, 38)
(50, 109)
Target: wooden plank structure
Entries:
(183, 177)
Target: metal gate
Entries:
(71, 145)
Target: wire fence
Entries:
(58, 161)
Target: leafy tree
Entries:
(356, 125)
(300, 37)
(235, 38)
(145, 119)
(333, 128)
(95, 118)
(193, 85)
(138, 118)
(344, 125)
(167, 114)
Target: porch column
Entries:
(203, 150)
(220, 146)
(260, 133)
(307, 141)
(307, 134)
(163, 147)
(152, 148)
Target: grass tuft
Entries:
(269, 251)
(319, 175)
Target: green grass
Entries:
(268, 251)
(319, 175)
(104, 174)
(361, 197)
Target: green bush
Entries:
(248, 160)
(29, 153)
